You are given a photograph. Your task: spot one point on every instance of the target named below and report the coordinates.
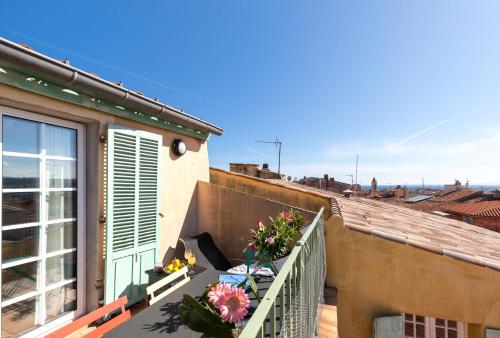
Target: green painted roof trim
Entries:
(40, 86)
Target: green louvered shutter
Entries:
(132, 211)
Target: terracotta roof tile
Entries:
(425, 231)
(458, 196)
(485, 208)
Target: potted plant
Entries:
(220, 311)
(275, 240)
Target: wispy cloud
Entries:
(420, 132)
(385, 148)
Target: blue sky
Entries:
(411, 86)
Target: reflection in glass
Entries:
(61, 236)
(20, 207)
(60, 141)
(18, 318)
(20, 135)
(19, 243)
(420, 330)
(61, 268)
(21, 172)
(18, 280)
(60, 300)
(61, 174)
(62, 204)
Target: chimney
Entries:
(265, 166)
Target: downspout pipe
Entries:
(22, 59)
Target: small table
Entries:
(162, 318)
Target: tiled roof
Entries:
(429, 232)
(418, 198)
(485, 208)
(458, 195)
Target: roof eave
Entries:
(24, 59)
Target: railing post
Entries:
(272, 320)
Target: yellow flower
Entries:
(192, 260)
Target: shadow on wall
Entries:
(228, 215)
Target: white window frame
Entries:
(81, 210)
(430, 326)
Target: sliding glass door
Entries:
(41, 222)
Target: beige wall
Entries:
(179, 176)
(259, 187)
(376, 277)
(228, 215)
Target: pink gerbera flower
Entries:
(233, 305)
(217, 292)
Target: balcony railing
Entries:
(290, 306)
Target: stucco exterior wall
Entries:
(259, 187)
(376, 277)
(179, 177)
(228, 215)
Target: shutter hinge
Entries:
(103, 138)
(102, 219)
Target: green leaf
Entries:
(253, 286)
(200, 318)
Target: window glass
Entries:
(62, 204)
(420, 330)
(60, 141)
(60, 300)
(19, 280)
(61, 174)
(61, 236)
(30, 130)
(20, 172)
(19, 317)
(19, 243)
(61, 267)
(20, 207)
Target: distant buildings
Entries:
(326, 183)
(485, 214)
(456, 186)
(253, 170)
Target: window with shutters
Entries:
(416, 326)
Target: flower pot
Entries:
(303, 230)
(280, 262)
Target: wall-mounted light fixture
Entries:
(179, 147)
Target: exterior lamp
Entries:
(179, 147)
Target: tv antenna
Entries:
(352, 179)
(277, 143)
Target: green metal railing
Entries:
(290, 306)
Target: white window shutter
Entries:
(490, 333)
(388, 327)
